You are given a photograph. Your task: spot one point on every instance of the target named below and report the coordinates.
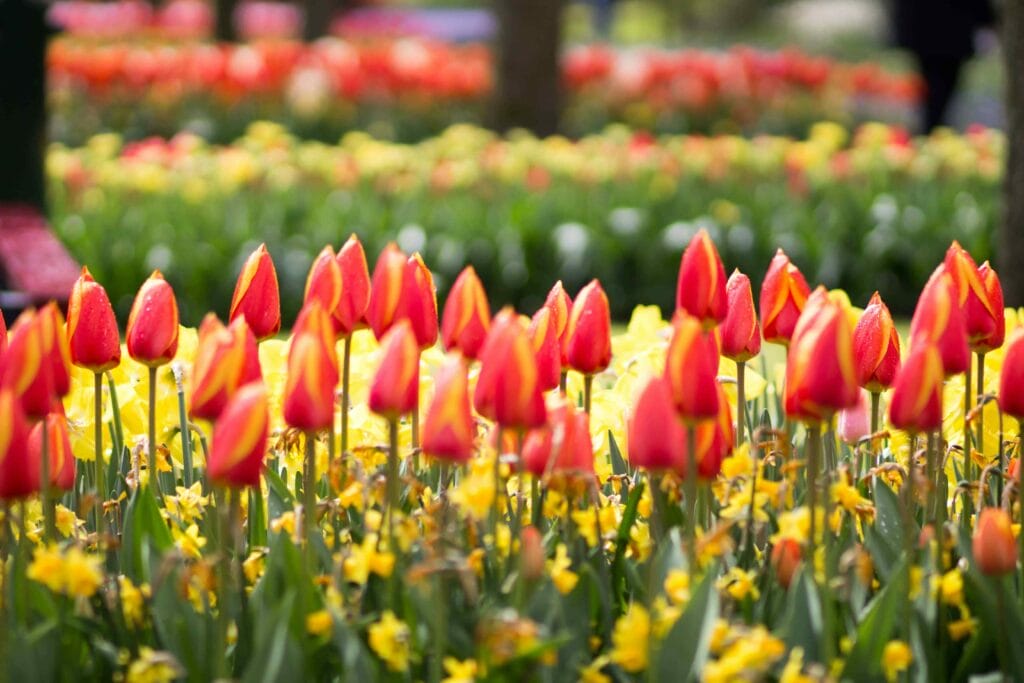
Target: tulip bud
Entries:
(546, 347)
(467, 316)
(876, 347)
(589, 331)
(508, 389)
(531, 554)
(1011, 376)
(995, 550)
(655, 435)
(240, 438)
(691, 369)
(715, 439)
(386, 290)
(701, 286)
(93, 338)
(855, 422)
(783, 295)
(786, 557)
(19, 472)
(324, 283)
(449, 431)
(560, 303)
(62, 460)
(355, 287)
(308, 402)
(418, 302)
(394, 390)
(981, 315)
(916, 402)
(153, 323)
(562, 446)
(257, 296)
(821, 376)
(55, 347)
(25, 370)
(226, 358)
(988, 322)
(939, 321)
(741, 336)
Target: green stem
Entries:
(345, 398)
(691, 498)
(309, 493)
(416, 434)
(186, 435)
(563, 381)
(154, 477)
(49, 511)
(588, 387)
(394, 500)
(980, 441)
(741, 400)
(812, 453)
(440, 629)
(101, 488)
(657, 512)
(876, 410)
(498, 491)
(909, 540)
(968, 460)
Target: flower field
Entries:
(409, 89)
(408, 488)
(862, 210)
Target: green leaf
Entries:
(280, 498)
(877, 628)
(277, 656)
(143, 526)
(356, 660)
(803, 625)
(684, 651)
(999, 609)
(619, 466)
(885, 537)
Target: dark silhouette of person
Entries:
(940, 34)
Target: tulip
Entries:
(783, 295)
(19, 472)
(355, 286)
(993, 545)
(324, 283)
(876, 347)
(701, 285)
(562, 446)
(55, 347)
(714, 442)
(655, 435)
(61, 468)
(3, 334)
(546, 347)
(93, 338)
(786, 557)
(449, 431)
(531, 553)
(560, 303)
(467, 316)
(395, 386)
(386, 290)
(691, 368)
(308, 402)
(508, 389)
(939, 321)
(240, 438)
(589, 335)
(854, 423)
(226, 359)
(741, 336)
(257, 296)
(418, 303)
(982, 312)
(22, 367)
(986, 317)
(1011, 378)
(152, 335)
(916, 404)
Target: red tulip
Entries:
(394, 390)
(916, 403)
(418, 303)
(655, 435)
(994, 548)
(226, 359)
(3, 334)
(701, 286)
(876, 347)
(546, 347)
(19, 472)
(988, 321)
(257, 295)
(741, 336)
(691, 369)
(55, 347)
(312, 372)
(560, 303)
(1011, 377)
(783, 295)
(153, 323)
(355, 287)
(62, 460)
(449, 431)
(386, 290)
(786, 557)
(508, 389)
(240, 438)
(467, 316)
(562, 446)
(821, 375)
(589, 331)
(93, 338)
(714, 441)
(939, 321)
(982, 313)
(324, 283)
(23, 367)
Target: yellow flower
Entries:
(951, 587)
(153, 667)
(48, 568)
(188, 541)
(591, 673)
(896, 658)
(75, 573)
(677, 586)
(389, 639)
(961, 628)
(352, 496)
(67, 522)
(319, 623)
(739, 584)
(475, 492)
(561, 575)
(630, 639)
(286, 523)
(747, 657)
(188, 504)
(459, 672)
(364, 559)
(793, 671)
(254, 565)
(133, 601)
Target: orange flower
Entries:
(508, 389)
(701, 286)
(19, 472)
(562, 445)
(876, 347)
(312, 372)
(394, 390)
(916, 403)
(257, 295)
(240, 438)
(467, 316)
(544, 339)
(821, 375)
(783, 295)
(786, 557)
(656, 438)
(1011, 376)
(226, 359)
(982, 314)
(324, 284)
(995, 551)
(987, 322)
(560, 303)
(691, 367)
(93, 337)
(386, 290)
(589, 331)
(153, 323)
(62, 460)
(350, 314)
(449, 431)
(55, 347)
(418, 303)
(741, 336)
(939, 321)
(24, 368)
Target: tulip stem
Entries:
(588, 387)
(186, 434)
(741, 401)
(980, 440)
(563, 381)
(101, 488)
(968, 460)
(691, 497)
(393, 491)
(812, 455)
(49, 512)
(309, 493)
(345, 398)
(153, 474)
(416, 433)
(876, 405)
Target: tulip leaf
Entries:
(885, 538)
(143, 526)
(684, 650)
(803, 624)
(877, 628)
(356, 660)
(185, 633)
(999, 609)
(619, 466)
(280, 499)
(629, 515)
(277, 656)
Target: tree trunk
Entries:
(318, 19)
(1011, 252)
(529, 88)
(225, 28)
(22, 101)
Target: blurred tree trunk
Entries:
(23, 34)
(1011, 252)
(528, 93)
(225, 28)
(318, 18)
